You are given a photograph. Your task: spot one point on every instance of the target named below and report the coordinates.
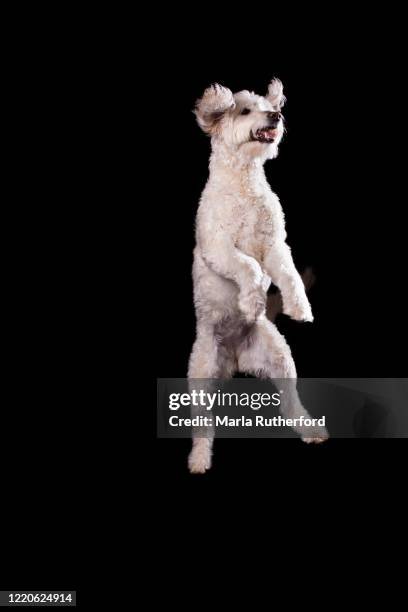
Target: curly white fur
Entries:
(240, 248)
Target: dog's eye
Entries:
(245, 111)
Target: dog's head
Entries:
(249, 124)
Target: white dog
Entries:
(240, 248)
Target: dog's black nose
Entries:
(275, 116)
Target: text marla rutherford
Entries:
(257, 421)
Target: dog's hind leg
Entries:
(209, 360)
(266, 354)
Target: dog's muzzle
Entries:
(268, 133)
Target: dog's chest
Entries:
(259, 223)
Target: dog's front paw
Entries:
(252, 304)
(199, 460)
(299, 310)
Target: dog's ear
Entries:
(216, 101)
(275, 93)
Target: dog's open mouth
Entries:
(266, 134)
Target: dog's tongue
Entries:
(268, 133)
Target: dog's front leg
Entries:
(279, 266)
(221, 255)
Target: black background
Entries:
(79, 199)
(336, 175)
(339, 175)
